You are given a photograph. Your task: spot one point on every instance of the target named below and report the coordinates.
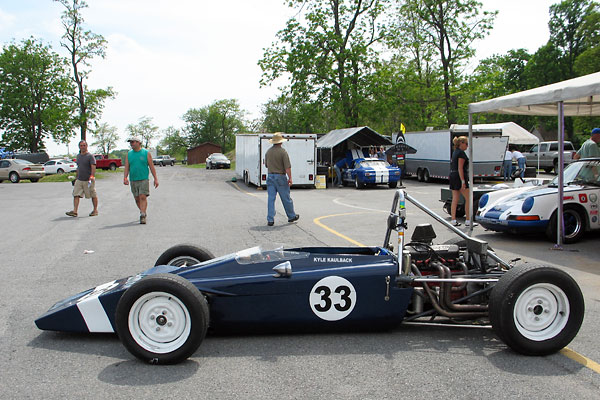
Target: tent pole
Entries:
(472, 167)
(561, 143)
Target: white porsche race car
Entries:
(534, 209)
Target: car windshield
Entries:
(267, 253)
(581, 173)
(219, 157)
(374, 163)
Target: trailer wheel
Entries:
(246, 178)
(426, 177)
(419, 174)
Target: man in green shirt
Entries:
(590, 148)
(137, 164)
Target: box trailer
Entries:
(434, 152)
(250, 150)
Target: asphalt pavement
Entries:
(47, 256)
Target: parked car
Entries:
(548, 153)
(534, 209)
(371, 171)
(59, 166)
(17, 169)
(163, 160)
(217, 160)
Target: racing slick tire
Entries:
(393, 185)
(574, 225)
(184, 255)
(14, 177)
(536, 310)
(162, 319)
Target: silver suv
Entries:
(548, 153)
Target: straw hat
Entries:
(277, 138)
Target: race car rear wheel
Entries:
(536, 310)
(162, 319)
(358, 184)
(183, 255)
(574, 225)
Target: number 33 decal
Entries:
(332, 298)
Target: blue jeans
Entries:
(279, 184)
(507, 169)
(521, 163)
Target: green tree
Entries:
(217, 123)
(568, 30)
(449, 27)
(283, 115)
(327, 52)
(83, 46)
(35, 96)
(174, 143)
(144, 129)
(106, 137)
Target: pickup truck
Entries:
(163, 160)
(103, 162)
(548, 153)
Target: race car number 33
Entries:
(332, 298)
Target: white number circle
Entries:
(332, 298)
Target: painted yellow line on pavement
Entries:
(583, 360)
(243, 191)
(318, 222)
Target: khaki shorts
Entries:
(81, 188)
(140, 187)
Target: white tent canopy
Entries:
(574, 97)
(580, 97)
(516, 133)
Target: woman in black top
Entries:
(459, 172)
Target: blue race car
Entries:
(534, 209)
(371, 171)
(163, 314)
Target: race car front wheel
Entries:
(162, 319)
(536, 310)
(574, 225)
(183, 255)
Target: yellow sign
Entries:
(321, 182)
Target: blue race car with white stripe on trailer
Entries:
(163, 314)
(371, 171)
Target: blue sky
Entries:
(165, 57)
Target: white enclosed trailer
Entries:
(250, 150)
(434, 152)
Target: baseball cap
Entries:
(595, 131)
(134, 139)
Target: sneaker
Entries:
(454, 222)
(294, 219)
(71, 213)
(142, 218)
(270, 223)
(469, 223)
